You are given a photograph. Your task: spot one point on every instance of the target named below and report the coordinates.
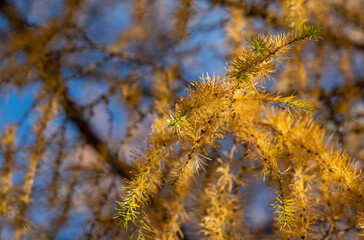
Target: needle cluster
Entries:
(277, 135)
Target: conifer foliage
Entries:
(290, 152)
(159, 119)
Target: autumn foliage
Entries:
(186, 119)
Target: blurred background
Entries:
(81, 81)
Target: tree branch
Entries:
(71, 109)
